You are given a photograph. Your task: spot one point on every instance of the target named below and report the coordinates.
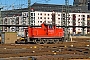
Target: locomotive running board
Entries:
(47, 37)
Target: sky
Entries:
(8, 4)
(53, 1)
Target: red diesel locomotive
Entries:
(47, 33)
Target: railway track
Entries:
(65, 48)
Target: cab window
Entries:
(50, 26)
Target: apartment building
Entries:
(37, 18)
(14, 20)
(80, 2)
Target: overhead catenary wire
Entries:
(13, 4)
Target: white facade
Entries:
(81, 18)
(24, 18)
(15, 20)
(37, 18)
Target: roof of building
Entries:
(46, 8)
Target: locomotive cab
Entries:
(51, 27)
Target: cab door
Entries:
(50, 30)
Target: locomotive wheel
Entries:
(38, 41)
(44, 41)
(56, 41)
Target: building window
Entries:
(41, 14)
(48, 14)
(38, 13)
(69, 18)
(22, 29)
(48, 17)
(74, 17)
(74, 23)
(48, 21)
(40, 21)
(83, 18)
(88, 23)
(45, 14)
(78, 18)
(17, 20)
(58, 21)
(78, 15)
(63, 14)
(44, 17)
(34, 21)
(68, 21)
(78, 22)
(5, 28)
(58, 14)
(31, 21)
(31, 24)
(17, 28)
(63, 18)
(88, 16)
(69, 29)
(32, 18)
(24, 14)
(34, 14)
(31, 14)
(83, 15)
(5, 21)
(40, 17)
(78, 29)
(59, 18)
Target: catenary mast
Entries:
(67, 16)
(29, 11)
